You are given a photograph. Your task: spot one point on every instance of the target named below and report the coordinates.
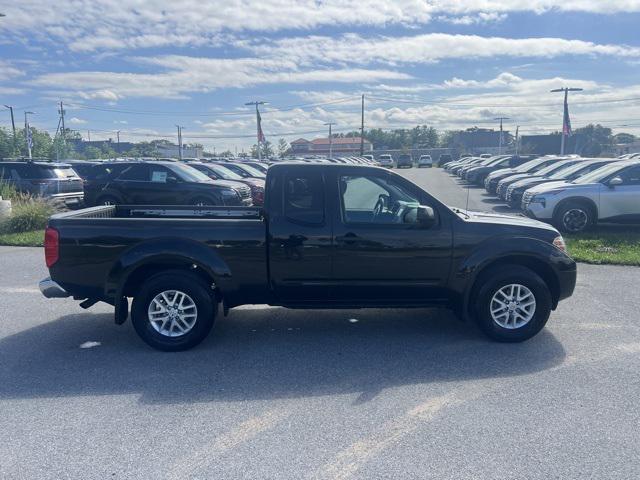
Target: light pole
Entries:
(501, 140)
(27, 133)
(566, 122)
(258, 125)
(13, 126)
(179, 142)
(330, 124)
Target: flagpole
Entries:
(258, 126)
(566, 124)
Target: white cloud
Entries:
(77, 121)
(474, 19)
(92, 25)
(182, 75)
(428, 48)
(8, 71)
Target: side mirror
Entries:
(615, 181)
(426, 216)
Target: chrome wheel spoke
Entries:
(172, 313)
(512, 306)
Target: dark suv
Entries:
(405, 160)
(159, 183)
(55, 181)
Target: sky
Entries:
(142, 67)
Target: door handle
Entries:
(349, 238)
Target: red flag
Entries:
(566, 121)
(261, 138)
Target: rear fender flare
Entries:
(169, 250)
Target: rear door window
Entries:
(304, 197)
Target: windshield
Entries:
(598, 175)
(525, 167)
(56, 172)
(567, 172)
(189, 174)
(554, 167)
(224, 173)
(252, 171)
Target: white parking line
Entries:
(247, 430)
(19, 290)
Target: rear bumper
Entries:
(51, 289)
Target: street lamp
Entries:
(501, 140)
(330, 124)
(27, 133)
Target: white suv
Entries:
(425, 161)
(385, 161)
(609, 194)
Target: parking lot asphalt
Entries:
(280, 394)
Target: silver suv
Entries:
(608, 194)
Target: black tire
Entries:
(107, 200)
(182, 281)
(203, 202)
(573, 217)
(491, 282)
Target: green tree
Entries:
(592, 139)
(624, 138)
(283, 147)
(266, 150)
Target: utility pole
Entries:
(179, 142)
(13, 126)
(501, 141)
(517, 139)
(118, 140)
(88, 135)
(61, 112)
(362, 127)
(566, 122)
(330, 139)
(27, 133)
(258, 125)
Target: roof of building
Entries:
(338, 141)
(300, 140)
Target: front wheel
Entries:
(573, 217)
(513, 304)
(173, 311)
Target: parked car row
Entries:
(198, 182)
(570, 192)
(405, 160)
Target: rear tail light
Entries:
(51, 246)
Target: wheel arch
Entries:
(588, 202)
(535, 264)
(149, 258)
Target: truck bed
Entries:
(165, 212)
(96, 242)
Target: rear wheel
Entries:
(513, 304)
(173, 311)
(574, 217)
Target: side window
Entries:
(138, 173)
(304, 197)
(377, 200)
(631, 176)
(160, 174)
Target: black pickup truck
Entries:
(328, 236)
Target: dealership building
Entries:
(320, 146)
